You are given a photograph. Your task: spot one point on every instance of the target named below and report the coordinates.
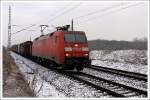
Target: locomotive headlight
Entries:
(67, 55)
(68, 49)
(85, 49)
(86, 54)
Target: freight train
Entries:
(66, 49)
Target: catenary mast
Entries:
(9, 28)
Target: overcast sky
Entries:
(100, 20)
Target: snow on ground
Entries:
(47, 83)
(129, 60)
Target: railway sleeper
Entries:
(131, 94)
(126, 92)
(101, 88)
(118, 89)
(113, 87)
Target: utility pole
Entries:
(43, 28)
(72, 25)
(9, 28)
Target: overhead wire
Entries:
(17, 25)
(85, 15)
(24, 29)
(66, 11)
(99, 10)
(58, 10)
(105, 14)
(33, 25)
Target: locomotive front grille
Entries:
(77, 49)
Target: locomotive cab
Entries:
(76, 49)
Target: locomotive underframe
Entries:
(77, 62)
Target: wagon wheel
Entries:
(79, 68)
(60, 67)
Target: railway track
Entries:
(109, 87)
(133, 75)
(112, 88)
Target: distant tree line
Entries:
(99, 44)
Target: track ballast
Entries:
(112, 88)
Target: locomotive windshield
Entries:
(75, 37)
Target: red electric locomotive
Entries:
(68, 49)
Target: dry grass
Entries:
(14, 84)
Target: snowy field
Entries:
(129, 60)
(47, 83)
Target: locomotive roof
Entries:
(74, 31)
(50, 34)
